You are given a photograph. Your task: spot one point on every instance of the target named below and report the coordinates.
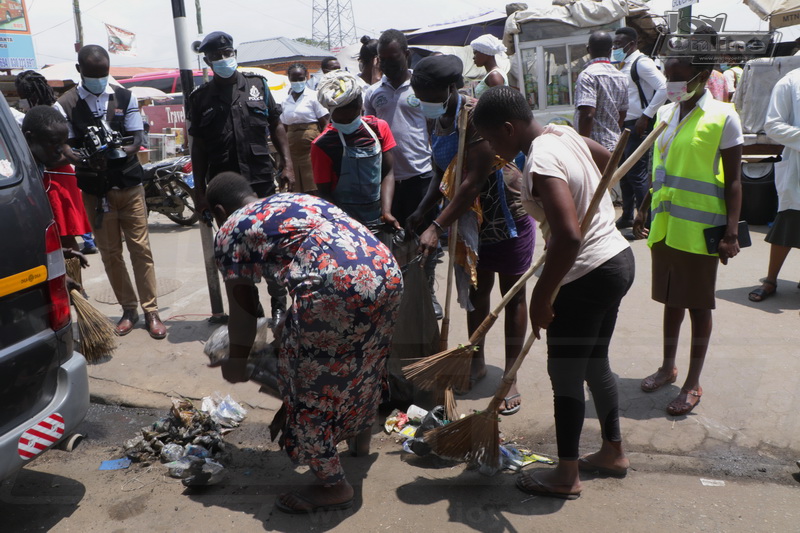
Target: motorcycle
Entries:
(168, 189)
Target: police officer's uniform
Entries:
(232, 120)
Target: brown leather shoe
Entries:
(154, 325)
(129, 319)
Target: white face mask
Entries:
(678, 91)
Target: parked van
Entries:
(44, 386)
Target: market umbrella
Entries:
(781, 13)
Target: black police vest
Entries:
(236, 133)
(121, 173)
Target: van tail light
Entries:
(60, 315)
(187, 168)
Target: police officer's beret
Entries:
(214, 41)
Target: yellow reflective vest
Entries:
(689, 187)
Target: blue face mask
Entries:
(433, 110)
(298, 86)
(724, 66)
(224, 68)
(95, 85)
(618, 55)
(349, 128)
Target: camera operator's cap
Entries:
(215, 41)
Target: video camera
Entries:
(101, 139)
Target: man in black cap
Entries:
(232, 118)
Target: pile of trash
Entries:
(416, 421)
(190, 441)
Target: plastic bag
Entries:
(209, 472)
(224, 411)
(172, 452)
(217, 347)
(434, 419)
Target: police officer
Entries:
(233, 117)
(111, 182)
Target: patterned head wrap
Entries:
(337, 88)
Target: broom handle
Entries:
(606, 179)
(611, 177)
(452, 240)
(625, 167)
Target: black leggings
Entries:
(577, 351)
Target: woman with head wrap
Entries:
(368, 63)
(352, 157)
(496, 236)
(304, 119)
(484, 50)
(345, 288)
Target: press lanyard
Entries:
(664, 147)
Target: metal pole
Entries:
(76, 13)
(199, 11)
(187, 83)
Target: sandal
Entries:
(586, 466)
(677, 407)
(649, 384)
(760, 294)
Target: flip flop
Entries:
(513, 410)
(332, 507)
(541, 490)
(586, 466)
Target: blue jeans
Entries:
(88, 240)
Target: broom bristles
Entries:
(450, 406)
(96, 330)
(449, 368)
(73, 265)
(475, 439)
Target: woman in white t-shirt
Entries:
(593, 273)
(304, 119)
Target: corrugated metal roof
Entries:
(275, 49)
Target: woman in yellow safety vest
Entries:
(695, 186)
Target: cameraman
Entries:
(112, 187)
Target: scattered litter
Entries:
(712, 482)
(514, 457)
(409, 431)
(224, 411)
(395, 421)
(208, 472)
(115, 464)
(416, 414)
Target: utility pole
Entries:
(187, 83)
(76, 13)
(199, 11)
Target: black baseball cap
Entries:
(215, 41)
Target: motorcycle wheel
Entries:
(189, 215)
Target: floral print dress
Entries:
(346, 288)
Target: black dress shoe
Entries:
(89, 250)
(623, 223)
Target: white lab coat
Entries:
(783, 126)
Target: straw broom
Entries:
(476, 438)
(96, 330)
(448, 398)
(74, 269)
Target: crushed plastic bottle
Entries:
(172, 452)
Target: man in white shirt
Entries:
(647, 91)
(112, 186)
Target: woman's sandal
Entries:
(677, 408)
(649, 384)
(760, 294)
